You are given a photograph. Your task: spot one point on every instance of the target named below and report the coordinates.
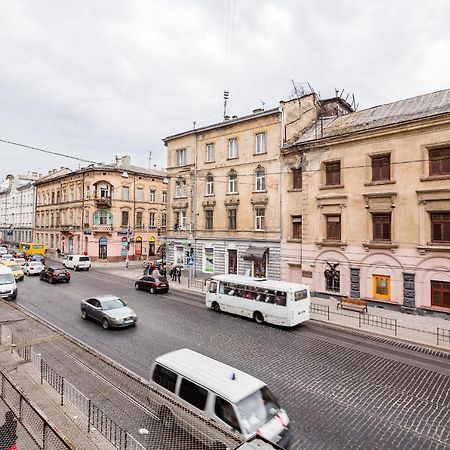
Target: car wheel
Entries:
(152, 290)
(215, 306)
(83, 314)
(50, 280)
(67, 281)
(105, 324)
(136, 286)
(41, 277)
(76, 268)
(259, 318)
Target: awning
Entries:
(254, 253)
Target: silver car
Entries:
(110, 310)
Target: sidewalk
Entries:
(381, 320)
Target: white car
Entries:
(32, 268)
(7, 257)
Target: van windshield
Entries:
(6, 278)
(84, 258)
(257, 409)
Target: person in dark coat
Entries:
(178, 274)
(8, 432)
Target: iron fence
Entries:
(442, 335)
(379, 322)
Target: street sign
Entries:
(190, 261)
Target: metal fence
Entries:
(23, 424)
(442, 335)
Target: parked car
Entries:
(152, 284)
(16, 269)
(54, 274)
(38, 258)
(8, 287)
(77, 262)
(33, 268)
(110, 310)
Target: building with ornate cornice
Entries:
(369, 215)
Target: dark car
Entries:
(154, 284)
(55, 274)
(38, 258)
(110, 310)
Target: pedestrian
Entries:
(126, 262)
(178, 274)
(8, 432)
(58, 252)
(163, 270)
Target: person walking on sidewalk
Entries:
(126, 262)
(8, 432)
(178, 274)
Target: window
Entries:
(152, 196)
(333, 173)
(297, 227)
(224, 411)
(125, 193)
(260, 214)
(163, 220)
(232, 214)
(332, 278)
(232, 148)
(232, 183)
(381, 286)
(209, 185)
(440, 293)
(139, 194)
(181, 157)
(209, 152)
(440, 227)
(101, 217)
(439, 161)
(164, 197)
(233, 261)
(209, 216)
(297, 178)
(151, 220)
(334, 228)
(193, 394)
(260, 143)
(381, 227)
(139, 219)
(165, 378)
(381, 168)
(260, 180)
(180, 220)
(180, 188)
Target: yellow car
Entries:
(16, 269)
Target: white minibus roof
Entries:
(262, 282)
(211, 374)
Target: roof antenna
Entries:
(149, 159)
(226, 95)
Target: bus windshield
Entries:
(301, 295)
(257, 409)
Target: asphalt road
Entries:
(341, 389)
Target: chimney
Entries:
(226, 118)
(257, 110)
(125, 161)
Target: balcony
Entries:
(102, 228)
(69, 227)
(103, 201)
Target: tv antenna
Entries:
(226, 95)
(149, 159)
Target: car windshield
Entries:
(113, 304)
(59, 270)
(257, 409)
(14, 267)
(6, 278)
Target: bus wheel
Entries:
(259, 318)
(215, 306)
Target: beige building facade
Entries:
(368, 214)
(108, 212)
(224, 212)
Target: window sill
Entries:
(435, 177)
(259, 192)
(232, 193)
(295, 190)
(232, 157)
(294, 240)
(330, 243)
(433, 247)
(380, 245)
(210, 162)
(334, 186)
(181, 197)
(209, 195)
(378, 183)
(259, 154)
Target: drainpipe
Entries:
(282, 124)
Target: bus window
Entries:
(300, 295)
(280, 298)
(213, 286)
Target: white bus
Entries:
(271, 301)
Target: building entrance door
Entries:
(102, 248)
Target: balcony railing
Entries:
(103, 201)
(102, 227)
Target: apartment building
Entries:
(17, 208)
(367, 213)
(108, 212)
(224, 212)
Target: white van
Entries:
(8, 287)
(229, 396)
(77, 262)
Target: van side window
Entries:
(193, 394)
(224, 411)
(165, 378)
(213, 286)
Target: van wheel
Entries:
(259, 318)
(76, 268)
(166, 417)
(215, 306)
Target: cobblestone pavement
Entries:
(341, 389)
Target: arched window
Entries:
(232, 182)
(209, 185)
(260, 181)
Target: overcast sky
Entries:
(100, 78)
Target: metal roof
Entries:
(415, 108)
